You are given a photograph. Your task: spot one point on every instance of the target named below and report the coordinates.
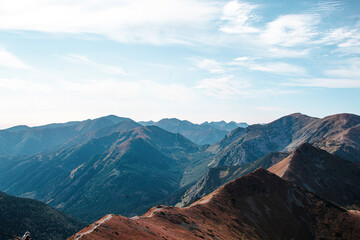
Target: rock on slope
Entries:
(337, 134)
(327, 175)
(257, 206)
(18, 215)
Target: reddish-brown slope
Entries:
(257, 206)
(327, 175)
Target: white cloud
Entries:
(104, 89)
(245, 58)
(346, 74)
(8, 60)
(223, 87)
(237, 17)
(290, 30)
(158, 21)
(103, 67)
(109, 88)
(325, 83)
(342, 37)
(269, 109)
(326, 7)
(334, 36)
(172, 92)
(117, 89)
(19, 85)
(210, 65)
(287, 53)
(349, 68)
(280, 68)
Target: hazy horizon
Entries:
(155, 120)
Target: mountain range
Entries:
(201, 134)
(121, 172)
(260, 205)
(24, 140)
(337, 134)
(316, 170)
(115, 165)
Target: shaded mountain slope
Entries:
(18, 215)
(336, 134)
(120, 173)
(257, 206)
(220, 175)
(124, 125)
(327, 175)
(22, 140)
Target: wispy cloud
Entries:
(19, 85)
(237, 17)
(326, 7)
(280, 68)
(103, 67)
(9, 60)
(290, 30)
(342, 37)
(104, 87)
(346, 69)
(157, 21)
(209, 65)
(269, 109)
(224, 87)
(287, 53)
(325, 83)
(117, 89)
(171, 92)
(344, 74)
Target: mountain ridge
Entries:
(324, 174)
(20, 140)
(201, 134)
(241, 209)
(285, 134)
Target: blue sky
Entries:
(199, 60)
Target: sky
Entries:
(199, 60)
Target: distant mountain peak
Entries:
(17, 128)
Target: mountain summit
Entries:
(327, 175)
